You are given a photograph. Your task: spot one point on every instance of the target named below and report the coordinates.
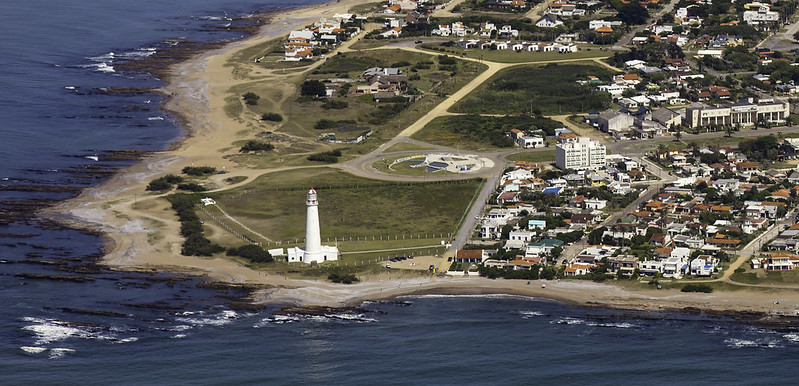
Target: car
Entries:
(419, 42)
(449, 258)
(431, 267)
(388, 265)
(410, 256)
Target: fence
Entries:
(439, 236)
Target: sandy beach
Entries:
(142, 232)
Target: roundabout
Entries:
(438, 162)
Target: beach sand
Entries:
(142, 232)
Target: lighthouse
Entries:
(313, 240)
(313, 251)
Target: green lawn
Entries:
(274, 205)
(550, 89)
(547, 156)
(404, 146)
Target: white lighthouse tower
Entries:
(313, 239)
(314, 251)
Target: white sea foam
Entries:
(33, 349)
(178, 336)
(753, 343)
(56, 353)
(48, 330)
(613, 325)
(343, 317)
(104, 67)
(569, 321)
(126, 340)
(530, 314)
(792, 337)
(220, 319)
(155, 118)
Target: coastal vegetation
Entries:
(273, 117)
(344, 278)
(551, 88)
(251, 252)
(697, 288)
(191, 187)
(164, 183)
(251, 98)
(329, 157)
(191, 228)
(256, 146)
(199, 171)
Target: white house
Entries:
(530, 142)
(549, 21)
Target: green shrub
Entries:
(251, 98)
(256, 146)
(190, 227)
(191, 187)
(158, 185)
(326, 124)
(164, 183)
(251, 252)
(330, 157)
(274, 117)
(342, 278)
(313, 88)
(697, 288)
(199, 170)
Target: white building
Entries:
(314, 251)
(762, 15)
(582, 154)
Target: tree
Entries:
(633, 14)
(313, 88)
(595, 237)
(251, 98)
(728, 130)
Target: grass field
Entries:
(274, 205)
(404, 146)
(550, 89)
(508, 56)
(480, 133)
(547, 156)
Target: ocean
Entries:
(62, 131)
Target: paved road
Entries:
(626, 39)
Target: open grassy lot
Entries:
(479, 133)
(551, 89)
(404, 146)
(509, 56)
(546, 156)
(274, 205)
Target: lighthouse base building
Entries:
(327, 253)
(313, 251)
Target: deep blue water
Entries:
(161, 329)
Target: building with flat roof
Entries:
(582, 154)
(741, 114)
